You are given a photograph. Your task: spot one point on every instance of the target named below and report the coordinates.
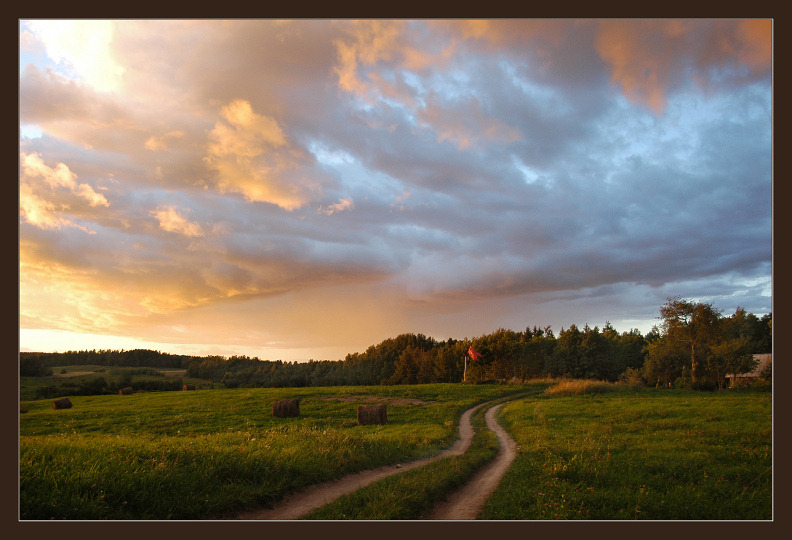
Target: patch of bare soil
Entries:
(467, 502)
(300, 503)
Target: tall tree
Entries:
(730, 356)
(691, 323)
(664, 361)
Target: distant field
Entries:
(75, 371)
(85, 373)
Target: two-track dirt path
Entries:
(467, 502)
(300, 503)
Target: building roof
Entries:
(764, 360)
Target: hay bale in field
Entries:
(126, 391)
(286, 408)
(372, 414)
(188, 387)
(62, 403)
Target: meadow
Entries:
(208, 453)
(645, 454)
(587, 450)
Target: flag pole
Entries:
(464, 374)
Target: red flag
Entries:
(473, 354)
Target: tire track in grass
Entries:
(313, 497)
(467, 502)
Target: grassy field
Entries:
(413, 494)
(619, 454)
(200, 454)
(587, 450)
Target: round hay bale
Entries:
(62, 403)
(286, 408)
(188, 387)
(372, 414)
(126, 391)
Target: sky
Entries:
(303, 189)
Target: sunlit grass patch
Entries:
(579, 387)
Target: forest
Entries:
(694, 346)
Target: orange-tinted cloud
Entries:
(754, 44)
(647, 58)
(50, 196)
(170, 219)
(250, 155)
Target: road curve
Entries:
(468, 501)
(300, 503)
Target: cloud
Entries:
(84, 47)
(171, 220)
(39, 182)
(342, 205)
(251, 156)
(650, 58)
(478, 173)
(37, 211)
(162, 142)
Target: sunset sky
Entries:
(304, 189)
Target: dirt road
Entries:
(301, 503)
(468, 501)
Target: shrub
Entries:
(632, 377)
(705, 384)
(33, 367)
(46, 392)
(762, 385)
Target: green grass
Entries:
(632, 455)
(413, 494)
(623, 454)
(193, 455)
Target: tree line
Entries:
(694, 345)
(102, 357)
